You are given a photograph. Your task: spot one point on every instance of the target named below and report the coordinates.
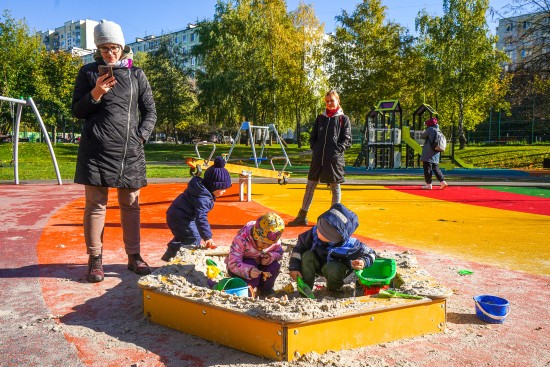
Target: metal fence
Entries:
(508, 130)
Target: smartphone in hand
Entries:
(104, 69)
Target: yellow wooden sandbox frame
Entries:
(285, 341)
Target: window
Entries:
(192, 36)
(526, 25)
(184, 38)
(509, 27)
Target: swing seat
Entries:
(258, 159)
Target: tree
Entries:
(367, 55)
(20, 55)
(55, 86)
(462, 59)
(247, 52)
(175, 103)
(307, 81)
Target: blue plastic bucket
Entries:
(241, 292)
(491, 309)
(233, 286)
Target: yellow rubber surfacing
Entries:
(504, 238)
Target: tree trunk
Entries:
(298, 128)
(461, 135)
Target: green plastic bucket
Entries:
(235, 286)
(380, 273)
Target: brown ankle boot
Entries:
(95, 269)
(300, 220)
(137, 265)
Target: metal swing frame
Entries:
(20, 104)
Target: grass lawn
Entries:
(167, 160)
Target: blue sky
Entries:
(139, 18)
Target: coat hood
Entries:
(196, 188)
(342, 219)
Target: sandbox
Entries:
(285, 328)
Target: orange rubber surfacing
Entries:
(80, 305)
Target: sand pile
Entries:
(185, 276)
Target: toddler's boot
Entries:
(170, 253)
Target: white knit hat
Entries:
(108, 32)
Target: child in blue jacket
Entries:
(328, 249)
(187, 216)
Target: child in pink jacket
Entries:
(255, 253)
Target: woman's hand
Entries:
(358, 264)
(103, 84)
(294, 273)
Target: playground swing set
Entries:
(17, 123)
(388, 142)
(198, 164)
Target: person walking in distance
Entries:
(430, 156)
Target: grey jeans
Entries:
(94, 218)
(310, 190)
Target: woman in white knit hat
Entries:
(115, 101)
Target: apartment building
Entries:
(187, 37)
(74, 34)
(524, 38)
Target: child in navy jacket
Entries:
(328, 249)
(187, 216)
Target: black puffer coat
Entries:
(111, 146)
(329, 139)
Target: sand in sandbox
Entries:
(185, 277)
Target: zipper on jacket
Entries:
(325, 143)
(127, 127)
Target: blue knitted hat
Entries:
(216, 177)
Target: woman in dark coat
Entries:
(119, 114)
(330, 138)
(430, 156)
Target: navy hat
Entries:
(216, 177)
